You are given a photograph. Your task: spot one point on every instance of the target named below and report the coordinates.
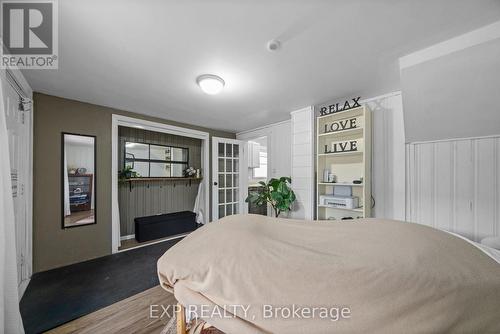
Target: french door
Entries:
(228, 173)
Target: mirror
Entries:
(78, 180)
(149, 160)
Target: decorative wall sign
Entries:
(338, 107)
(353, 145)
(344, 124)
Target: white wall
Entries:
(450, 93)
(303, 165)
(452, 90)
(290, 153)
(454, 185)
(279, 149)
(388, 156)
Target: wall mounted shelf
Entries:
(139, 179)
(159, 179)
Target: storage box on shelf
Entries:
(344, 150)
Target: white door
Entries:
(228, 173)
(18, 134)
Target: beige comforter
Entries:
(371, 276)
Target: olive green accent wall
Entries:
(53, 246)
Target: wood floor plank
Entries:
(131, 315)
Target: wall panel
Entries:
(454, 185)
(484, 186)
(388, 156)
(303, 154)
(443, 171)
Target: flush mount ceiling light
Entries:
(210, 84)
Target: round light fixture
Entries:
(210, 84)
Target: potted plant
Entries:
(276, 192)
(128, 173)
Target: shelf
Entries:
(340, 154)
(342, 132)
(340, 184)
(156, 179)
(343, 209)
(144, 179)
(346, 166)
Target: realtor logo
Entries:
(29, 34)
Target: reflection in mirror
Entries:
(137, 150)
(161, 153)
(78, 169)
(150, 160)
(179, 154)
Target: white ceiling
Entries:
(144, 56)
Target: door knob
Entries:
(215, 183)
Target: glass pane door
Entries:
(226, 177)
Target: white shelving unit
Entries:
(346, 166)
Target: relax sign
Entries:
(338, 107)
(354, 145)
(344, 124)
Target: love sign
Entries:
(338, 107)
(344, 124)
(354, 145)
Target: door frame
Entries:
(242, 179)
(119, 120)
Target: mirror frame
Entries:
(62, 179)
(154, 160)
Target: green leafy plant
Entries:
(276, 192)
(127, 173)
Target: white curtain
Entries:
(199, 204)
(10, 318)
(67, 209)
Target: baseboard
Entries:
(127, 237)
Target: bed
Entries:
(250, 274)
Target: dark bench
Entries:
(164, 225)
